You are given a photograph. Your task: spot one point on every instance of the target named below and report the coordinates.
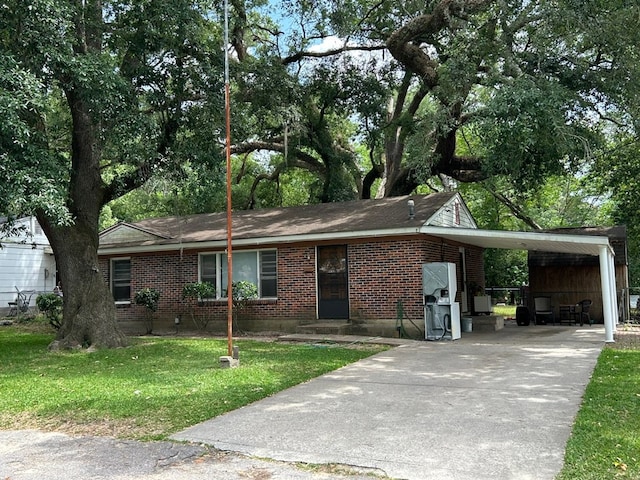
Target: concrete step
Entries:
(325, 328)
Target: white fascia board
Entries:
(543, 241)
(221, 244)
(558, 242)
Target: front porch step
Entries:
(325, 328)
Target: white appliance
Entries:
(482, 304)
(441, 311)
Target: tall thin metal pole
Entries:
(227, 108)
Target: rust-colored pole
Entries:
(227, 108)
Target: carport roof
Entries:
(540, 241)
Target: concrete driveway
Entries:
(494, 405)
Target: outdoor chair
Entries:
(22, 303)
(543, 310)
(568, 314)
(13, 309)
(585, 305)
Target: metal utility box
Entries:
(482, 304)
(439, 280)
(441, 311)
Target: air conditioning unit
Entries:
(482, 304)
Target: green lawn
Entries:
(159, 386)
(149, 390)
(605, 442)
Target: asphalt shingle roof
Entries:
(326, 218)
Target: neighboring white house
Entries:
(26, 263)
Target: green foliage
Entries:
(196, 294)
(153, 388)
(525, 134)
(148, 298)
(505, 268)
(617, 175)
(198, 291)
(51, 305)
(243, 292)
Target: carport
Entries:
(547, 242)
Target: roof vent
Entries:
(412, 209)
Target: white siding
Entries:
(453, 214)
(28, 266)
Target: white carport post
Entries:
(608, 284)
(615, 312)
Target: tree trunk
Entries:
(89, 315)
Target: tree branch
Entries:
(404, 43)
(517, 211)
(310, 162)
(329, 53)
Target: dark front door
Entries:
(333, 282)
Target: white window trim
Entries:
(219, 272)
(111, 260)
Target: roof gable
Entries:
(128, 233)
(454, 213)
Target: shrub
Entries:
(51, 305)
(148, 298)
(198, 291)
(195, 293)
(242, 292)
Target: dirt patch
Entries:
(103, 427)
(626, 337)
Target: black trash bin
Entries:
(523, 317)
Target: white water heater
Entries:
(441, 311)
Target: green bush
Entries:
(148, 298)
(51, 305)
(198, 291)
(242, 292)
(195, 294)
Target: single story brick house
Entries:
(348, 263)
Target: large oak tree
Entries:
(96, 98)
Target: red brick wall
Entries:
(384, 272)
(381, 272)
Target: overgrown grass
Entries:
(605, 442)
(507, 311)
(149, 390)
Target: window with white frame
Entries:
(258, 267)
(121, 279)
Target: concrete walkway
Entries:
(494, 405)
